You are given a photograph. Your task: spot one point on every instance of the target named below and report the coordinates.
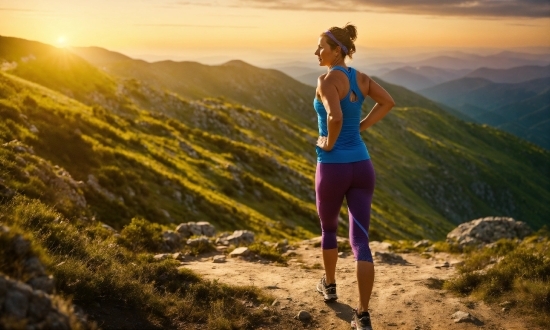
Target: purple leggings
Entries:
(355, 181)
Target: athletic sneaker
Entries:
(328, 291)
(361, 321)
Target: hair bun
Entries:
(351, 30)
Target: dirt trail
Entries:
(406, 295)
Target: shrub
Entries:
(142, 235)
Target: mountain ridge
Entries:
(240, 164)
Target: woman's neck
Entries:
(339, 62)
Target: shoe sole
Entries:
(353, 325)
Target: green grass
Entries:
(241, 167)
(510, 271)
(90, 266)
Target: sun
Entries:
(61, 41)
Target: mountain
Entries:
(56, 68)
(503, 60)
(170, 159)
(512, 75)
(406, 78)
(236, 80)
(99, 56)
(512, 107)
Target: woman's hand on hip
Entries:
(322, 142)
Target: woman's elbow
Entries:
(391, 103)
(336, 118)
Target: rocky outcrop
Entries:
(22, 306)
(239, 237)
(28, 266)
(196, 228)
(488, 230)
(26, 294)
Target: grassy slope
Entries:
(239, 167)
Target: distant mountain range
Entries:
(233, 144)
(513, 75)
(519, 108)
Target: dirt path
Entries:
(407, 294)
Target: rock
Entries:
(198, 241)
(20, 246)
(506, 304)
(488, 230)
(44, 283)
(109, 228)
(289, 254)
(39, 306)
(196, 228)
(34, 267)
(206, 229)
(94, 184)
(239, 237)
(16, 304)
(275, 303)
(171, 238)
(162, 256)
(463, 317)
(389, 258)
(303, 316)
(240, 252)
(443, 265)
(218, 259)
(178, 256)
(422, 243)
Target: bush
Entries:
(142, 235)
(509, 270)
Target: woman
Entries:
(344, 167)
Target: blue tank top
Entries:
(349, 146)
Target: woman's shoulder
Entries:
(361, 76)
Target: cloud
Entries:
(468, 8)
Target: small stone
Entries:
(422, 243)
(275, 303)
(303, 316)
(392, 324)
(178, 256)
(462, 317)
(240, 252)
(506, 304)
(218, 259)
(161, 256)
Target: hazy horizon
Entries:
(260, 33)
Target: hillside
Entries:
(519, 108)
(229, 164)
(236, 80)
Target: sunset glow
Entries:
(199, 30)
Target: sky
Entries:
(211, 31)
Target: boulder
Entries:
(488, 230)
(239, 237)
(189, 229)
(198, 241)
(171, 238)
(240, 252)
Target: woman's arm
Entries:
(384, 103)
(331, 100)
